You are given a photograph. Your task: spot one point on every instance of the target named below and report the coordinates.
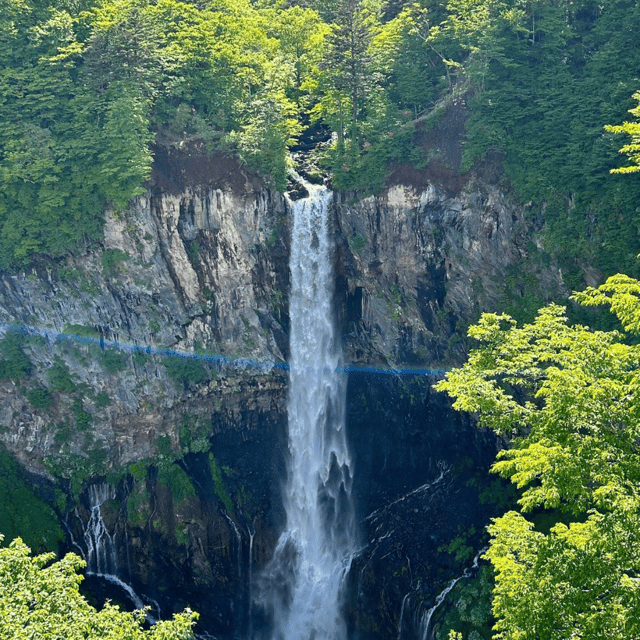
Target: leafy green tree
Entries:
(269, 127)
(125, 48)
(467, 608)
(550, 75)
(566, 398)
(633, 148)
(347, 63)
(40, 599)
(302, 39)
(412, 62)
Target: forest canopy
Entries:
(88, 87)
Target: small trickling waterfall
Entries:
(305, 578)
(238, 538)
(422, 618)
(374, 518)
(252, 532)
(402, 608)
(101, 547)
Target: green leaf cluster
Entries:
(633, 148)
(60, 377)
(567, 399)
(40, 599)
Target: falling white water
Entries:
(101, 548)
(401, 623)
(314, 552)
(238, 544)
(252, 532)
(425, 622)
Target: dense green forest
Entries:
(88, 87)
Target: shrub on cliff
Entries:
(14, 364)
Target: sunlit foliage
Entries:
(87, 87)
(39, 598)
(567, 399)
(632, 150)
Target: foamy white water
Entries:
(314, 552)
(101, 548)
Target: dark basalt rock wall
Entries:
(200, 263)
(402, 434)
(414, 458)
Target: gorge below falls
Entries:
(304, 480)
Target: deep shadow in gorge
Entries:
(418, 469)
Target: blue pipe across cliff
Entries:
(52, 335)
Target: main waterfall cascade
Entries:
(302, 586)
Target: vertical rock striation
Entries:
(195, 448)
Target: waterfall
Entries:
(252, 532)
(101, 548)
(314, 552)
(401, 622)
(238, 544)
(424, 630)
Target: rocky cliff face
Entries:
(195, 447)
(202, 270)
(420, 264)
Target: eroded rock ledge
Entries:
(199, 264)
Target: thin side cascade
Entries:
(303, 584)
(425, 631)
(101, 548)
(252, 533)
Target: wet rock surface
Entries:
(199, 264)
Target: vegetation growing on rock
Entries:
(90, 92)
(40, 598)
(566, 398)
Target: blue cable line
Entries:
(52, 336)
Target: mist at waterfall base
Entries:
(300, 591)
